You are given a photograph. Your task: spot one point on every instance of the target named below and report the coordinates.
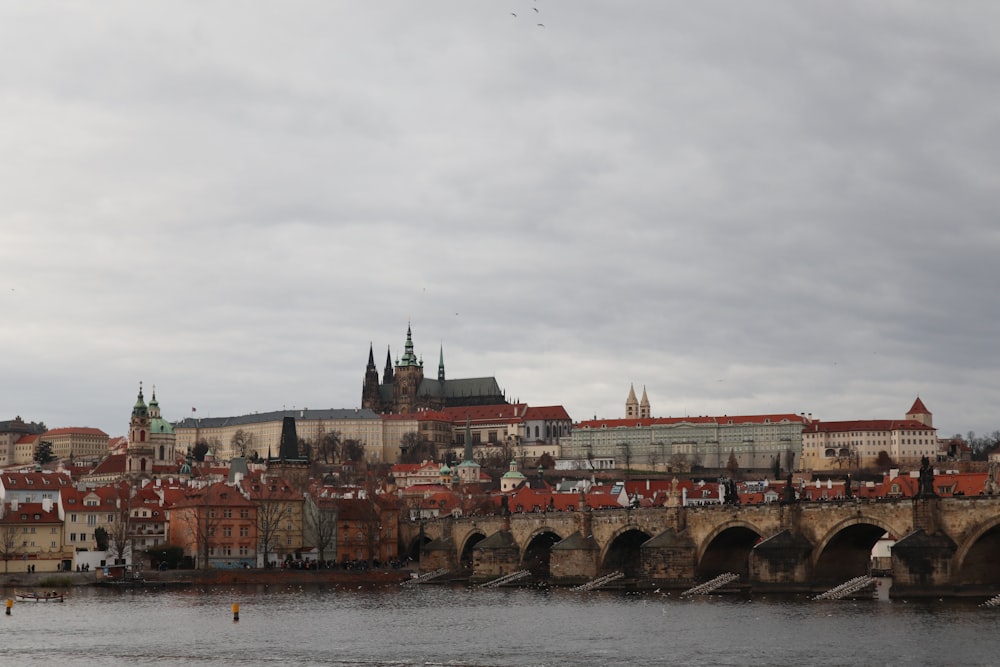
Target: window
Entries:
(227, 531)
(91, 520)
(72, 537)
(244, 513)
(227, 513)
(244, 531)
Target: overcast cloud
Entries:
(746, 208)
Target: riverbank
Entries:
(249, 577)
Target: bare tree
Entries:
(679, 462)
(9, 542)
(627, 456)
(275, 512)
(241, 443)
(414, 448)
(321, 521)
(328, 447)
(201, 517)
(352, 450)
(120, 528)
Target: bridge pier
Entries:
(922, 564)
(438, 554)
(669, 559)
(781, 561)
(574, 560)
(496, 556)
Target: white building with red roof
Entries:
(664, 442)
(844, 445)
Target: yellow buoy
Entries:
(236, 613)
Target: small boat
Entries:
(51, 596)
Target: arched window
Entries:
(142, 465)
(161, 452)
(142, 436)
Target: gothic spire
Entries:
(441, 365)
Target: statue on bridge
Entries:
(925, 487)
(732, 494)
(788, 496)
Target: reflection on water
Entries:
(440, 625)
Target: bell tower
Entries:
(139, 455)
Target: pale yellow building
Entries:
(364, 426)
(31, 535)
(857, 444)
(80, 443)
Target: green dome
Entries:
(160, 426)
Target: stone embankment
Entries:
(251, 577)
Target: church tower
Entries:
(644, 405)
(139, 454)
(631, 404)
(370, 397)
(407, 378)
(162, 438)
(919, 412)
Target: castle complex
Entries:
(404, 389)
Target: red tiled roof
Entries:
(34, 480)
(76, 430)
(866, 425)
(725, 420)
(113, 464)
(550, 412)
(31, 513)
(918, 408)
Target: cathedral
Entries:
(403, 388)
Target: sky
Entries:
(744, 208)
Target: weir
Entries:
(425, 577)
(849, 587)
(714, 584)
(600, 581)
(506, 579)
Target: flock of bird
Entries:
(534, 9)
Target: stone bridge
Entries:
(944, 545)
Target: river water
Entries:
(442, 625)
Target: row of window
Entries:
(227, 513)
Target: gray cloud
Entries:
(746, 208)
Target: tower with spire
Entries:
(139, 454)
(634, 408)
(404, 389)
(161, 435)
(631, 404)
(918, 412)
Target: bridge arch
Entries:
(845, 550)
(622, 551)
(973, 561)
(415, 546)
(465, 555)
(727, 549)
(537, 551)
